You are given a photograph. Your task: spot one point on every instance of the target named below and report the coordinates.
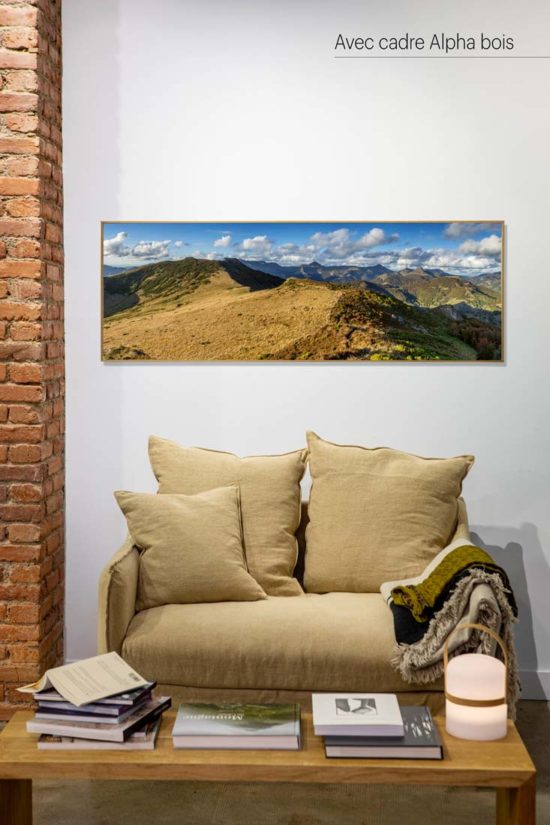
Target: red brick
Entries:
(29, 227)
(18, 145)
(19, 592)
(26, 38)
(21, 392)
(21, 512)
(24, 653)
(23, 414)
(10, 59)
(17, 633)
(24, 613)
(25, 249)
(20, 269)
(19, 552)
(25, 289)
(23, 208)
(25, 453)
(11, 311)
(23, 533)
(26, 373)
(18, 102)
(30, 434)
(24, 16)
(25, 492)
(21, 351)
(20, 472)
(31, 345)
(21, 121)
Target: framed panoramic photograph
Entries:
(297, 291)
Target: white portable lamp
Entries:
(475, 691)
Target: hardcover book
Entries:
(356, 714)
(143, 740)
(110, 733)
(237, 726)
(420, 740)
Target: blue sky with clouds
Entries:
(464, 248)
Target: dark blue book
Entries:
(420, 740)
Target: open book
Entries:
(89, 680)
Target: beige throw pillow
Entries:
(270, 501)
(376, 514)
(192, 547)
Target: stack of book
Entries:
(237, 726)
(373, 725)
(130, 721)
(96, 703)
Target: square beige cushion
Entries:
(270, 501)
(192, 547)
(376, 514)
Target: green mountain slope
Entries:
(170, 281)
(426, 289)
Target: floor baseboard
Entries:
(535, 684)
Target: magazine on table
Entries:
(84, 682)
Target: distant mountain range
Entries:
(114, 270)
(198, 309)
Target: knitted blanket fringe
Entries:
(422, 662)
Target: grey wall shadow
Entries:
(510, 554)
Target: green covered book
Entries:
(237, 726)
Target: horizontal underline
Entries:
(441, 57)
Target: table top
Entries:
(504, 763)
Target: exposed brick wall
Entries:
(31, 345)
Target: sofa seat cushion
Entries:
(331, 641)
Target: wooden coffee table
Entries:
(504, 765)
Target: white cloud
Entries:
(116, 246)
(490, 245)
(178, 244)
(151, 249)
(460, 229)
(258, 247)
(223, 242)
(341, 245)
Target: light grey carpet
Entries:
(194, 803)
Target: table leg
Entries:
(16, 801)
(516, 806)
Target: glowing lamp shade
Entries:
(475, 693)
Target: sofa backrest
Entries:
(462, 531)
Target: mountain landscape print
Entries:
(289, 291)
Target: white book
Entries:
(356, 714)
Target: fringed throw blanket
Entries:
(461, 584)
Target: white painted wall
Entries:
(184, 110)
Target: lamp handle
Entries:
(483, 629)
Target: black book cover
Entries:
(420, 732)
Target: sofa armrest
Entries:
(462, 527)
(117, 597)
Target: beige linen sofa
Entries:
(275, 649)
